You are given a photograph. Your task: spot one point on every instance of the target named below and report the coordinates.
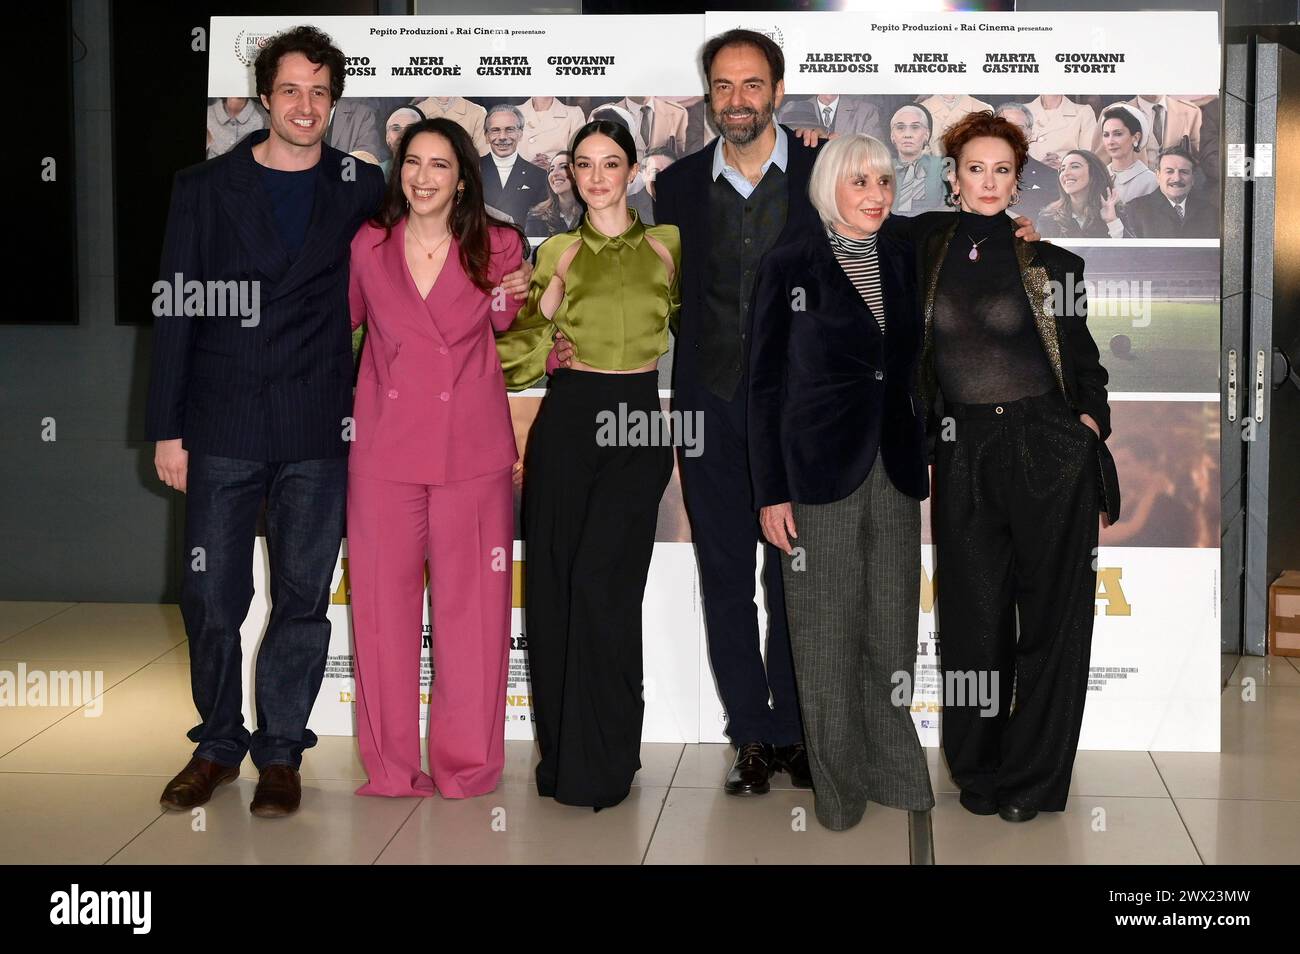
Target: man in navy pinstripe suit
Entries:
(254, 406)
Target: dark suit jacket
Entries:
(1038, 189)
(280, 388)
(1151, 216)
(827, 389)
(1069, 345)
(682, 199)
(524, 188)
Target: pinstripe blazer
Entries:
(274, 385)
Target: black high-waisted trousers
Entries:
(1015, 518)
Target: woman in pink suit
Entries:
(429, 476)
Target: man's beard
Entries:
(743, 133)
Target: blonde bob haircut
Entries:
(845, 157)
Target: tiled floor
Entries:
(75, 789)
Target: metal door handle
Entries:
(1262, 376)
(1232, 385)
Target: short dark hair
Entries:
(1178, 149)
(1131, 122)
(764, 44)
(311, 43)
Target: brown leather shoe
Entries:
(279, 792)
(195, 784)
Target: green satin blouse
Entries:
(617, 307)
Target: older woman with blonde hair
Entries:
(838, 457)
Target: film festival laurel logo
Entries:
(774, 34)
(249, 44)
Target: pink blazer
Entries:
(431, 403)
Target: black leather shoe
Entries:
(750, 772)
(793, 759)
(977, 804)
(1016, 813)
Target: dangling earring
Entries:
(460, 194)
(952, 199)
(1015, 197)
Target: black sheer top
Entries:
(986, 347)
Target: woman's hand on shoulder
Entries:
(1026, 229)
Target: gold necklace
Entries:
(411, 232)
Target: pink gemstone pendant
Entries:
(974, 255)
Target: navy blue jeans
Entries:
(304, 526)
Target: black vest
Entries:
(743, 230)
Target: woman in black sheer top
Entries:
(1018, 405)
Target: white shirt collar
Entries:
(780, 155)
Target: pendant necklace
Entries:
(974, 255)
(411, 232)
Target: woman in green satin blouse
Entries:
(597, 462)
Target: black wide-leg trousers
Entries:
(591, 505)
(1015, 517)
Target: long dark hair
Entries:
(469, 222)
(1098, 182)
(548, 210)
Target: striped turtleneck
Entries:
(861, 262)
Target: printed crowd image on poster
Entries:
(1099, 96)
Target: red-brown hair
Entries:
(984, 123)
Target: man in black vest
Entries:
(732, 201)
(1178, 209)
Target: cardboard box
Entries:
(1284, 615)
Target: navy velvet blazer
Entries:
(827, 389)
(279, 388)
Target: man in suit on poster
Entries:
(510, 182)
(468, 116)
(1038, 181)
(945, 110)
(919, 184)
(549, 127)
(353, 130)
(657, 123)
(838, 115)
(1178, 209)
